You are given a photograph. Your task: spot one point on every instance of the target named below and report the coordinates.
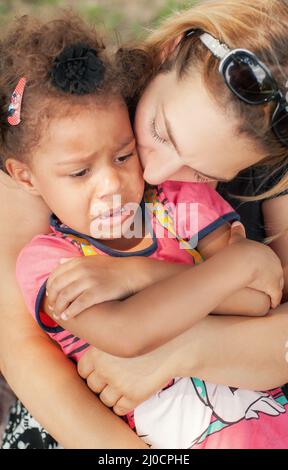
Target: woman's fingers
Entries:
(237, 232)
(109, 396)
(96, 384)
(123, 406)
(86, 364)
(276, 295)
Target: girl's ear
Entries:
(170, 48)
(21, 173)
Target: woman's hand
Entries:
(268, 276)
(124, 383)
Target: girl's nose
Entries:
(107, 183)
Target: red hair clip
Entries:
(14, 110)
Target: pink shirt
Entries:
(42, 255)
(189, 413)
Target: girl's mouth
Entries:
(108, 220)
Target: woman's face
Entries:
(184, 135)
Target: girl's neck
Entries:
(129, 244)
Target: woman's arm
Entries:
(49, 386)
(275, 212)
(245, 353)
(35, 368)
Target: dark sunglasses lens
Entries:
(248, 80)
(280, 125)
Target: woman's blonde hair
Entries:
(260, 26)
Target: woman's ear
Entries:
(21, 173)
(170, 48)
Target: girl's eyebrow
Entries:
(89, 157)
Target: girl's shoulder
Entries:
(196, 209)
(204, 195)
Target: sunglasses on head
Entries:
(249, 79)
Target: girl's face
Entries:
(183, 135)
(87, 169)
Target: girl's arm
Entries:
(36, 370)
(75, 287)
(246, 302)
(146, 320)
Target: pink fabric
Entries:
(189, 413)
(197, 208)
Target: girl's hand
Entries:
(123, 383)
(268, 274)
(81, 282)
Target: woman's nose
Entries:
(161, 169)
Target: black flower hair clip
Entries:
(78, 70)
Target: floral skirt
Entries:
(24, 432)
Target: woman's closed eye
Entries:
(155, 134)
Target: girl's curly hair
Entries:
(52, 56)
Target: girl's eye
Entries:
(80, 173)
(124, 158)
(155, 134)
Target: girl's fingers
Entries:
(95, 383)
(67, 297)
(59, 283)
(76, 305)
(109, 396)
(59, 270)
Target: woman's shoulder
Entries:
(255, 181)
(22, 215)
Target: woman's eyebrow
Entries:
(170, 132)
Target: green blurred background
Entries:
(125, 19)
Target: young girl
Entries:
(156, 169)
(80, 83)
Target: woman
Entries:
(234, 134)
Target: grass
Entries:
(129, 18)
